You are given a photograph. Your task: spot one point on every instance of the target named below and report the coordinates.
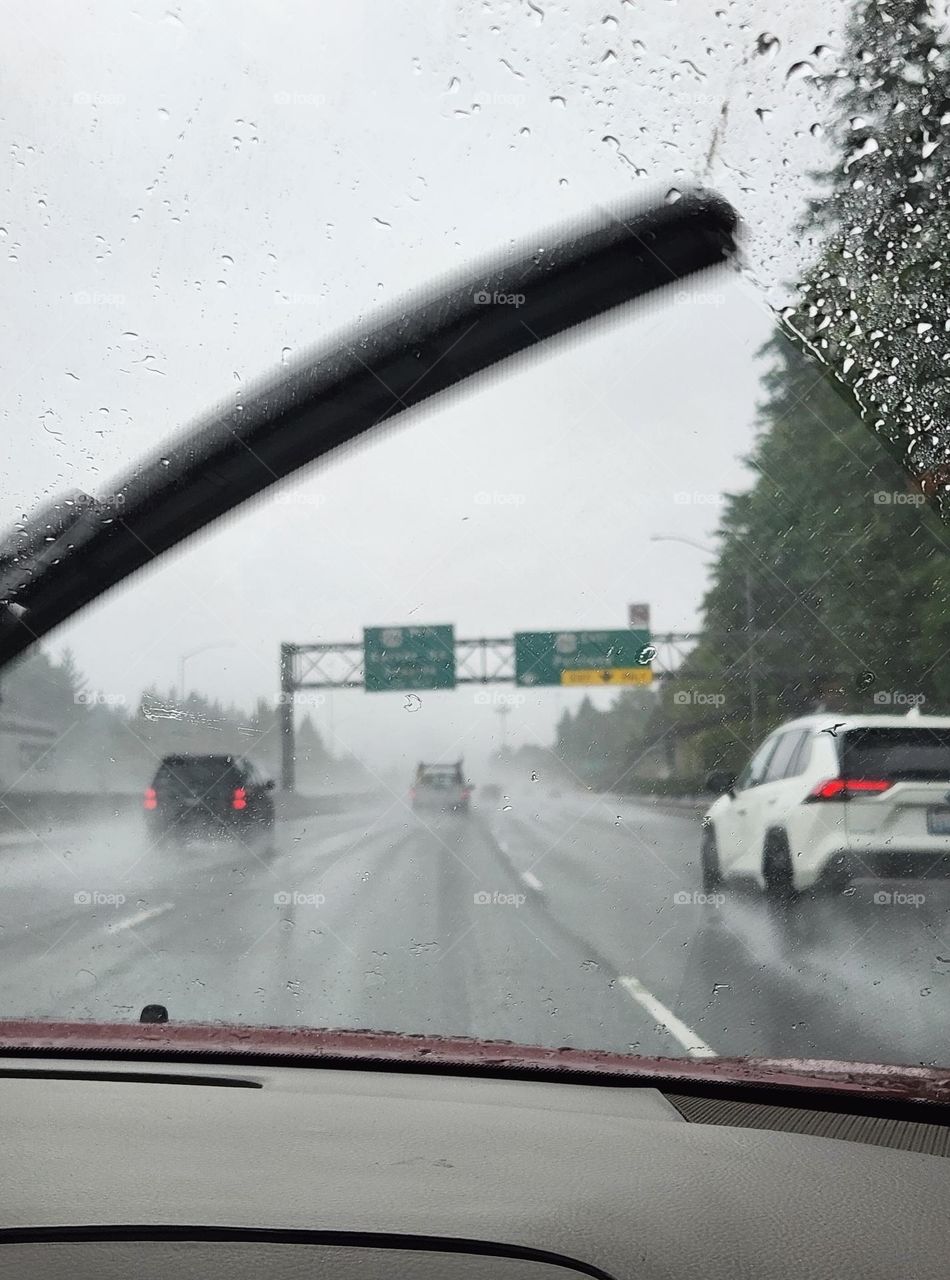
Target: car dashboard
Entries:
(118, 1169)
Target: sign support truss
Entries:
(484, 660)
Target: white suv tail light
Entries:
(847, 789)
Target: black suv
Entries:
(209, 796)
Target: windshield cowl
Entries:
(198, 1042)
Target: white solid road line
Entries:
(690, 1041)
(140, 917)
(532, 881)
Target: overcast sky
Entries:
(197, 192)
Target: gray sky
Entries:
(196, 192)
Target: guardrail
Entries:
(37, 812)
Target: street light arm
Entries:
(193, 653)
(689, 542)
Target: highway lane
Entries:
(362, 920)
(550, 918)
(842, 975)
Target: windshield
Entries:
(639, 580)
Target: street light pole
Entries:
(503, 713)
(288, 754)
(753, 679)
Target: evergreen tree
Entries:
(875, 306)
(829, 589)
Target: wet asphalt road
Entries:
(554, 919)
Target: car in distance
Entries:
(830, 798)
(441, 788)
(209, 796)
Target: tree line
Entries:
(58, 733)
(829, 584)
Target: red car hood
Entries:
(198, 1042)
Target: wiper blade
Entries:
(336, 394)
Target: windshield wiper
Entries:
(53, 565)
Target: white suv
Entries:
(829, 798)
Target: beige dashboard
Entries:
(189, 1171)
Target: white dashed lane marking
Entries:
(140, 917)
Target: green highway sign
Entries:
(583, 658)
(397, 658)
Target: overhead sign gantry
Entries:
(416, 658)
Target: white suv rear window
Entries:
(897, 753)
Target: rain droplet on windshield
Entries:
(767, 45)
(800, 71)
(867, 147)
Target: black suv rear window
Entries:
(199, 773)
(897, 753)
